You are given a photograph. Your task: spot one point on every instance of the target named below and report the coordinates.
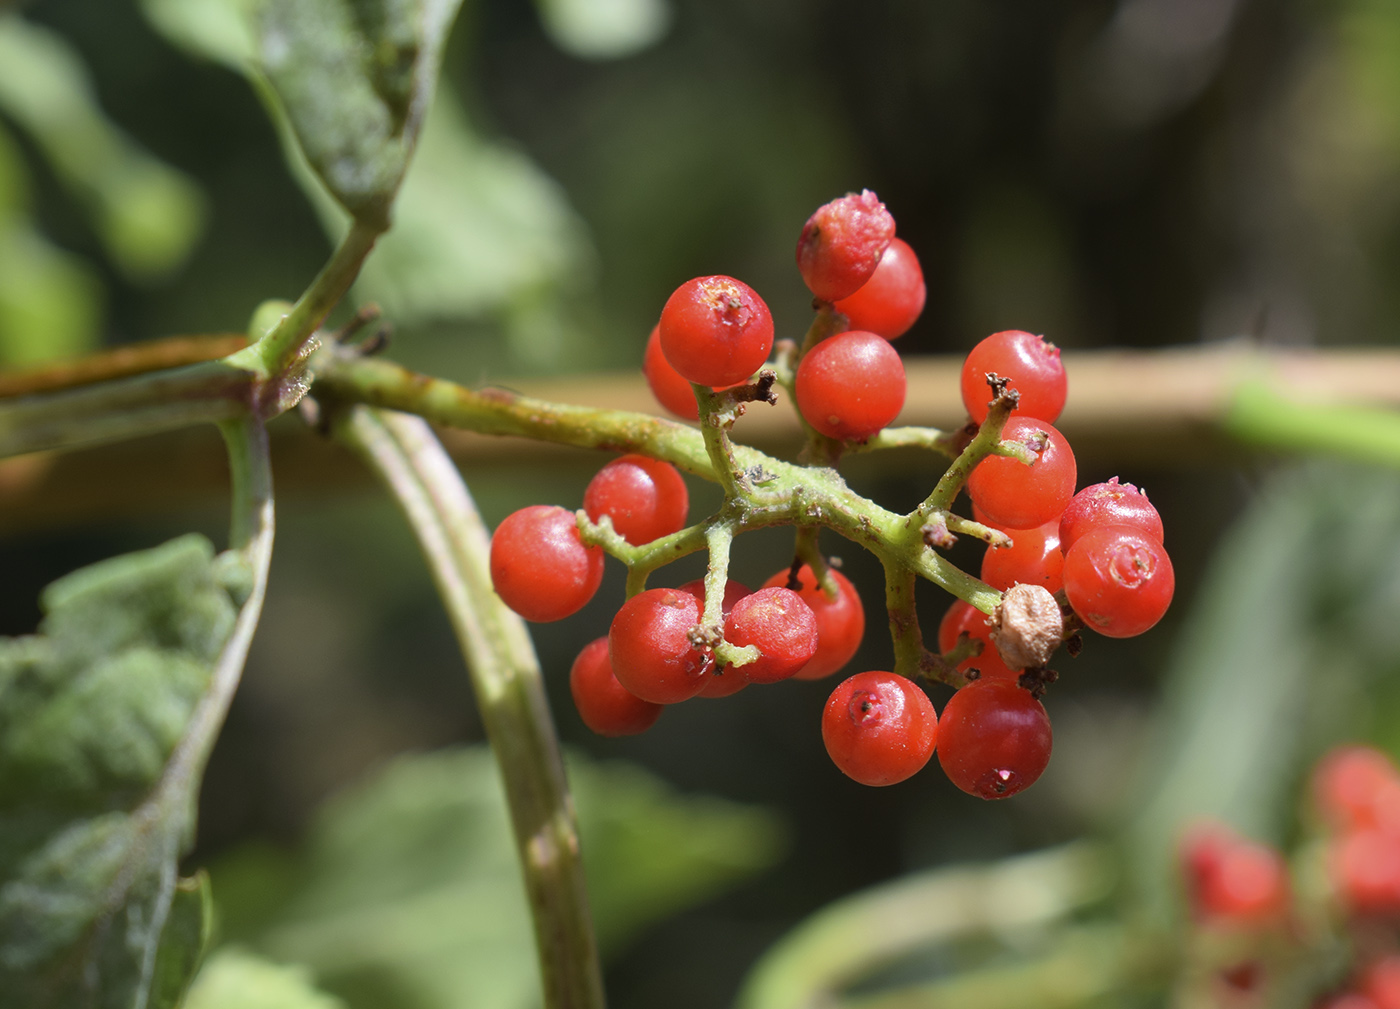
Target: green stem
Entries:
(930, 438)
(986, 442)
(718, 538)
(407, 457)
(1262, 417)
(907, 636)
(715, 422)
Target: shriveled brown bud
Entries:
(1027, 626)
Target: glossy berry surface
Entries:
(1119, 580)
(645, 498)
(650, 648)
(605, 705)
(964, 618)
(841, 244)
(780, 625)
(1033, 558)
(671, 390)
(1108, 504)
(994, 739)
(1017, 496)
(892, 299)
(1030, 363)
(879, 728)
(851, 385)
(840, 621)
(716, 331)
(540, 567)
(721, 682)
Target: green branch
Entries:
(410, 461)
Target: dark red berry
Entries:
(841, 244)
(605, 705)
(1108, 504)
(1119, 580)
(1034, 558)
(994, 739)
(716, 331)
(540, 567)
(1030, 363)
(645, 498)
(780, 625)
(851, 386)
(891, 300)
(650, 648)
(879, 728)
(840, 621)
(671, 390)
(1019, 496)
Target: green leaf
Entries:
(605, 29)
(147, 214)
(409, 892)
(1292, 628)
(355, 78)
(92, 912)
(220, 30)
(236, 979)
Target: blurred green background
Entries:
(1139, 173)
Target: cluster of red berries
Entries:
(1102, 547)
(1240, 884)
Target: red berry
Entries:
(540, 567)
(879, 728)
(1017, 496)
(840, 621)
(1233, 879)
(994, 739)
(649, 645)
(645, 498)
(783, 628)
(671, 390)
(1119, 580)
(721, 682)
(1365, 869)
(891, 300)
(1032, 366)
(605, 705)
(964, 618)
(841, 244)
(1108, 504)
(1357, 786)
(1381, 982)
(850, 386)
(1034, 558)
(716, 331)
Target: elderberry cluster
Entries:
(1095, 558)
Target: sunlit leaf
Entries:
(236, 979)
(92, 911)
(605, 29)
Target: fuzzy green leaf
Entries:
(355, 78)
(92, 911)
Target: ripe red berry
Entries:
(841, 244)
(1017, 496)
(1119, 580)
(1365, 869)
(879, 728)
(994, 738)
(540, 567)
(1034, 558)
(1381, 981)
(1030, 363)
(645, 498)
(851, 386)
(840, 621)
(721, 682)
(964, 618)
(1358, 786)
(671, 390)
(891, 300)
(783, 628)
(1108, 504)
(605, 705)
(649, 645)
(716, 331)
(1230, 878)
